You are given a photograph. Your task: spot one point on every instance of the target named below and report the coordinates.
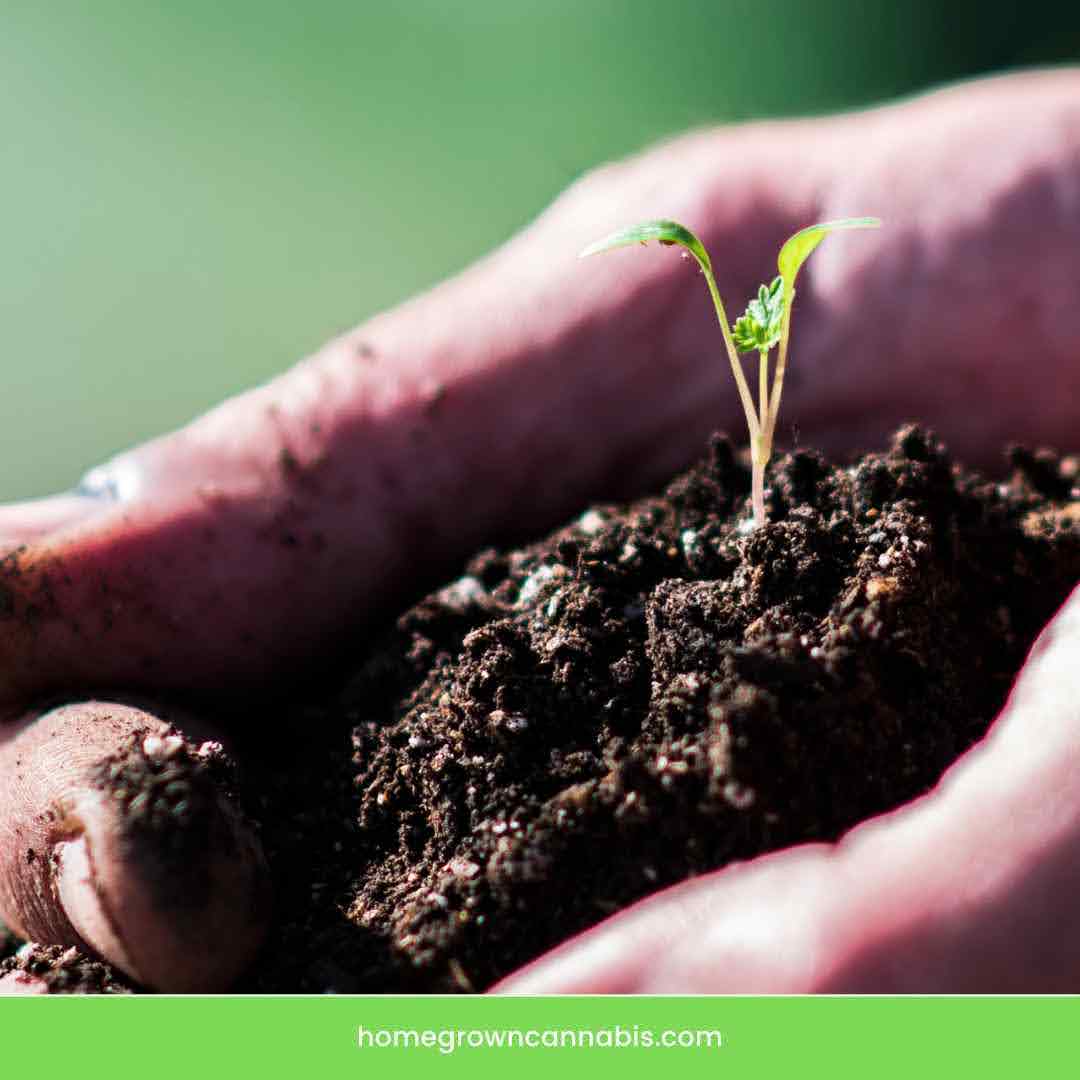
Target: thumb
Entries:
(116, 835)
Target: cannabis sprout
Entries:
(766, 324)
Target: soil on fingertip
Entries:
(60, 970)
(648, 694)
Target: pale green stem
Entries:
(733, 356)
(756, 425)
(759, 456)
(763, 388)
(778, 375)
(757, 471)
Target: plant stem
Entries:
(763, 388)
(759, 446)
(758, 489)
(781, 367)
(733, 354)
(770, 409)
(756, 426)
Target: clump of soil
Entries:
(66, 971)
(653, 692)
(649, 693)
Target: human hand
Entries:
(241, 547)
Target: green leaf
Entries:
(758, 328)
(798, 247)
(663, 231)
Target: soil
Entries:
(67, 971)
(645, 695)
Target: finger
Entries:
(957, 313)
(30, 521)
(971, 888)
(115, 835)
(531, 383)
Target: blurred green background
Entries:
(194, 195)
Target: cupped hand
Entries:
(219, 559)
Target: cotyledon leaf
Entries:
(798, 247)
(663, 231)
(669, 232)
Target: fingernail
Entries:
(160, 873)
(116, 481)
(84, 904)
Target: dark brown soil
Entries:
(646, 695)
(67, 971)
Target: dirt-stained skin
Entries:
(111, 821)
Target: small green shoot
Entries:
(764, 325)
(759, 328)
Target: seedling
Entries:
(765, 324)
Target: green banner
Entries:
(679, 1037)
